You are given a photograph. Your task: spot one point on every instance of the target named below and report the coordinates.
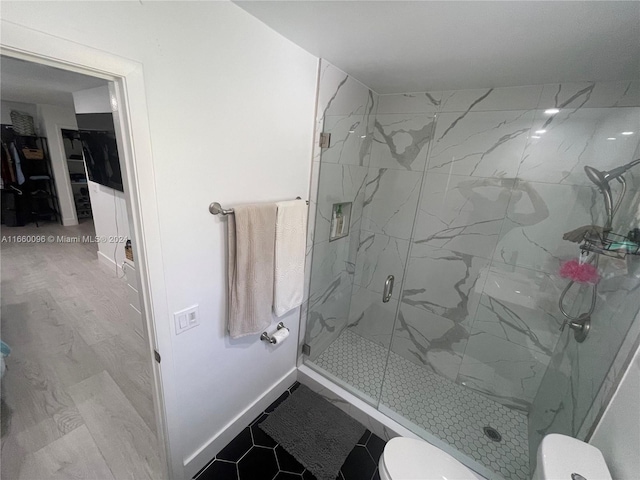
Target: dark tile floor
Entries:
(253, 455)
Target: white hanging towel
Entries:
(251, 248)
(291, 234)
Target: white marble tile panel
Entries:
(581, 377)
(627, 217)
(506, 372)
(590, 94)
(443, 282)
(538, 216)
(618, 305)
(353, 239)
(341, 94)
(402, 141)
(430, 340)
(370, 318)
(628, 347)
(561, 145)
(317, 151)
(480, 144)
(330, 261)
(559, 368)
(391, 197)
(423, 102)
(378, 257)
(348, 144)
(313, 203)
(521, 305)
(490, 99)
(338, 184)
(552, 409)
(328, 314)
(462, 213)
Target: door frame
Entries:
(132, 126)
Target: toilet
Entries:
(410, 459)
(559, 457)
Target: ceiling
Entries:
(28, 82)
(399, 46)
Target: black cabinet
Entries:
(29, 190)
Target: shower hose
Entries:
(592, 307)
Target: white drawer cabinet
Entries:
(133, 289)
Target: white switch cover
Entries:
(186, 319)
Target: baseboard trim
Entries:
(109, 265)
(69, 222)
(194, 463)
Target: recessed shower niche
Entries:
(340, 217)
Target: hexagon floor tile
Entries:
(356, 361)
(449, 411)
(253, 455)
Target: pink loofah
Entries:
(579, 273)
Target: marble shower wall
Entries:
(576, 383)
(346, 110)
(476, 188)
(398, 159)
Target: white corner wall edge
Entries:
(203, 456)
(617, 435)
(380, 422)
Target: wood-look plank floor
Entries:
(77, 395)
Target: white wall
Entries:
(108, 205)
(110, 219)
(51, 120)
(7, 106)
(92, 100)
(230, 106)
(618, 433)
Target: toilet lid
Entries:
(410, 459)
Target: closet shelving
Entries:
(29, 191)
(77, 173)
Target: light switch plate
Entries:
(186, 319)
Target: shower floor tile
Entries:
(450, 412)
(356, 361)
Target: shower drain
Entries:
(492, 433)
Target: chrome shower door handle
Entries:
(388, 289)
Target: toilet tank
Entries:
(563, 457)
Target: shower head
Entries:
(597, 177)
(602, 179)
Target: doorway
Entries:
(80, 386)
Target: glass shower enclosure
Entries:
(463, 197)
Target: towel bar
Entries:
(216, 209)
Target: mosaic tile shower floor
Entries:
(451, 412)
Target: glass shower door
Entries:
(342, 180)
(349, 326)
